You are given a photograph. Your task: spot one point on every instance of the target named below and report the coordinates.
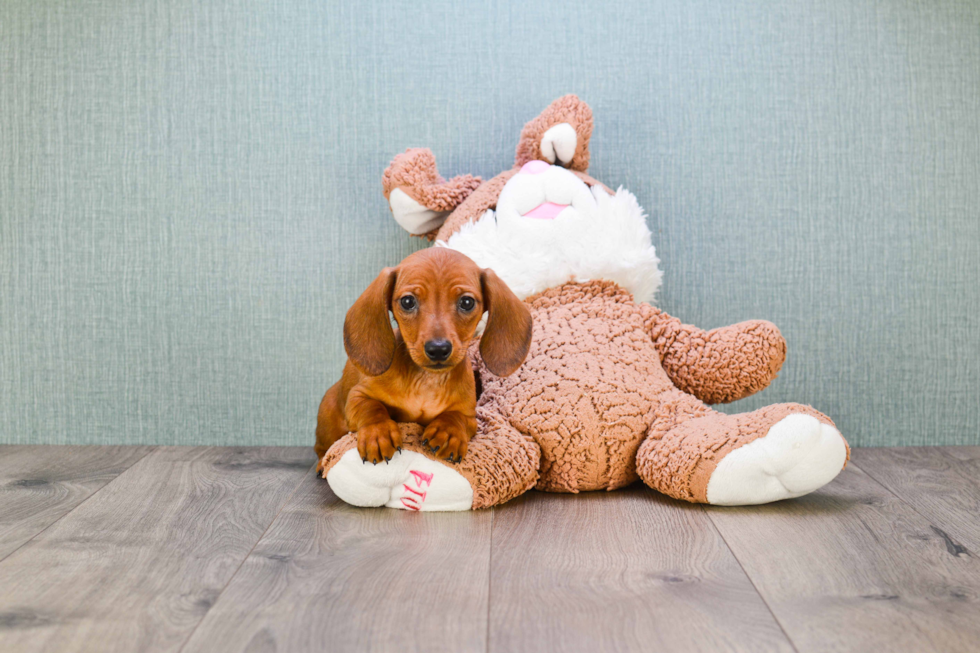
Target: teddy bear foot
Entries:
(798, 455)
(410, 481)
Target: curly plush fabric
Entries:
(568, 109)
(683, 449)
(613, 390)
(588, 389)
(596, 386)
(500, 463)
(414, 171)
(594, 407)
(721, 365)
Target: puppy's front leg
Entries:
(378, 436)
(448, 435)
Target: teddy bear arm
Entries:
(721, 365)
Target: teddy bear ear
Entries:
(419, 198)
(560, 135)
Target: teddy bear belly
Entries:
(588, 398)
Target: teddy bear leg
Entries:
(777, 452)
(419, 198)
(499, 465)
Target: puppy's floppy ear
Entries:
(507, 337)
(368, 336)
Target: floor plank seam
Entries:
(81, 503)
(928, 519)
(762, 598)
(493, 515)
(246, 557)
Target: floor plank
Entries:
(619, 571)
(41, 484)
(968, 455)
(331, 577)
(942, 484)
(885, 558)
(852, 567)
(138, 565)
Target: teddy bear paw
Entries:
(409, 481)
(798, 455)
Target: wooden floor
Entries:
(245, 549)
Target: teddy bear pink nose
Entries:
(534, 167)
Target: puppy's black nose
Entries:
(438, 350)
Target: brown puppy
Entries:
(420, 372)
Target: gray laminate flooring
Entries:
(245, 549)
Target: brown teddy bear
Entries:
(613, 389)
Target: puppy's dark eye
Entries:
(466, 304)
(407, 303)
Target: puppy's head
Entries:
(437, 296)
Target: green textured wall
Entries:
(190, 192)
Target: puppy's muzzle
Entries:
(438, 351)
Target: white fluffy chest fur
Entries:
(595, 236)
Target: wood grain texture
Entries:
(943, 485)
(852, 567)
(967, 454)
(40, 484)
(138, 565)
(622, 571)
(210, 549)
(331, 577)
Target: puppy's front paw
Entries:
(446, 440)
(378, 442)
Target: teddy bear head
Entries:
(540, 224)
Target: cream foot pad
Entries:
(410, 482)
(798, 455)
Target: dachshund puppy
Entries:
(420, 372)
